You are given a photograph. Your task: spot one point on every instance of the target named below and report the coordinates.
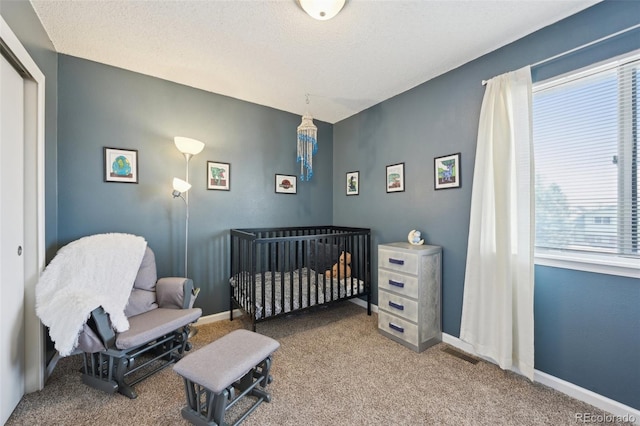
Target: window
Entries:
(585, 138)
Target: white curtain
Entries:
(497, 308)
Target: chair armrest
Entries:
(176, 293)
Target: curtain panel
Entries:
(497, 309)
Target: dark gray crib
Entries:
(277, 271)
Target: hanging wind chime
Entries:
(307, 145)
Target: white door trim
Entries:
(34, 243)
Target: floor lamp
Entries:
(189, 147)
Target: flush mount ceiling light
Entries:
(322, 9)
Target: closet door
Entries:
(12, 367)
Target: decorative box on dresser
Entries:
(409, 288)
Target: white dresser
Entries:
(409, 288)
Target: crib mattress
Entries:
(308, 289)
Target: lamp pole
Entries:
(188, 147)
(186, 222)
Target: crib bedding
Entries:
(309, 288)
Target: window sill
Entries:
(620, 266)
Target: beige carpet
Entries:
(333, 368)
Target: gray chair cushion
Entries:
(88, 341)
(153, 324)
(227, 359)
(147, 275)
(140, 301)
(170, 292)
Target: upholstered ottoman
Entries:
(240, 361)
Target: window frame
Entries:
(619, 265)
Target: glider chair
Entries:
(159, 312)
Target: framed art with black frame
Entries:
(353, 183)
(286, 184)
(120, 165)
(395, 178)
(447, 171)
(218, 175)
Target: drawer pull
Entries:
(396, 305)
(396, 261)
(396, 283)
(396, 327)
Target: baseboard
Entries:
(619, 412)
(363, 304)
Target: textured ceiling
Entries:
(271, 53)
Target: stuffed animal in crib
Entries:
(343, 263)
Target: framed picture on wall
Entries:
(218, 175)
(447, 171)
(286, 184)
(120, 165)
(353, 183)
(395, 178)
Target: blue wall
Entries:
(102, 106)
(587, 326)
(587, 331)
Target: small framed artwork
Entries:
(353, 183)
(395, 178)
(447, 171)
(286, 184)
(120, 165)
(218, 175)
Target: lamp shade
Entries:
(181, 185)
(188, 145)
(322, 9)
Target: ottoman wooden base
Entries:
(239, 362)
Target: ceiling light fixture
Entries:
(322, 9)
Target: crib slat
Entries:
(302, 247)
(315, 243)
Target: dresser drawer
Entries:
(398, 283)
(398, 261)
(398, 327)
(398, 305)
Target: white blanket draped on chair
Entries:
(497, 309)
(97, 270)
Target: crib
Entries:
(279, 271)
